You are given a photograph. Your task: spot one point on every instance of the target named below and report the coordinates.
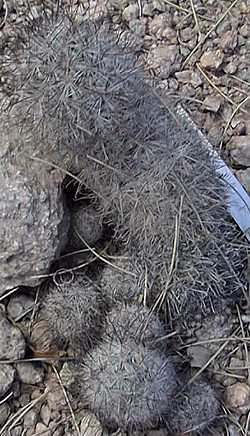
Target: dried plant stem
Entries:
(67, 400)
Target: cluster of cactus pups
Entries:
(81, 94)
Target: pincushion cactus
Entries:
(127, 386)
(194, 410)
(85, 226)
(136, 323)
(74, 312)
(119, 282)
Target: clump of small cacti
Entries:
(74, 312)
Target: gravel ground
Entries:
(200, 52)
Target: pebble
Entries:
(228, 41)
(212, 103)
(131, 12)
(16, 431)
(212, 59)
(41, 428)
(45, 414)
(4, 413)
(31, 418)
(55, 397)
(30, 373)
(238, 397)
(244, 177)
(7, 376)
(12, 343)
(19, 305)
(240, 150)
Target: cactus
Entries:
(194, 410)
(74, 312)
(127, 386)
(119, 282)
(85, 94)
(135, 323)
(85, 224)
(174, 220)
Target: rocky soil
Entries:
(200, 52)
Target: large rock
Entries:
(33, 223)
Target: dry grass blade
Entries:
(201, 42)
(196, 20)
(182, 9)
(212, 358)
(5, 6)
(236, 110)
(7, 294)
(17, 417)
(103, 259)
(67, 400)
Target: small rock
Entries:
(30, 418)
(7, 376)
(148, 9)
(231, 67)
(4, 413)
(196, 79)
(42, 429)
(228, 40)
(130, 12)
(244, 177)
(18, 305)
(90, 426)
(212, 59)
(16, 431)
(59, 429)
(12, 343)
(212, 104)
(240, 150)
(199, 356)
(45, 414)
(157, 24)
(238, 397)
(166, 59)
(55, 397)
(183, 76)
(159, 5)
(235, 365)
(30, 373)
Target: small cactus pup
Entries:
(74, 312)
(127, 386)
(119, 282)
(85, 226)
(130, 322)
(195, 409)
